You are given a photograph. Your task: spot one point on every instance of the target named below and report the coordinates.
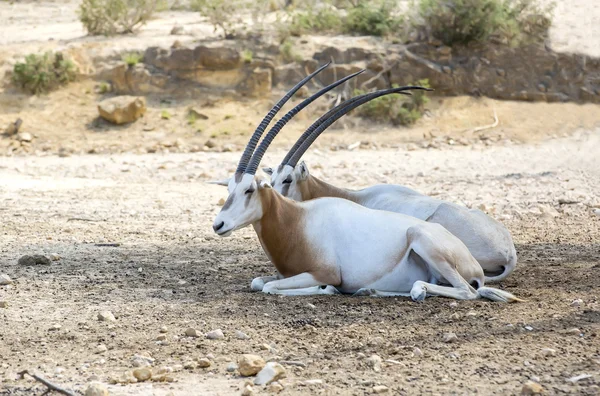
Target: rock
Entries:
(24, 137)
(449, 337)
(417, 352)
(3, 304)
(577, 302)
(273, 371)
(231, 367)
(204, 363)
(106, 316)
(96, 389)
(597, 212)
(241, 335)
(256, 84)
(549, 352)
(36, 259)
(177, 30)
(532, 388)
(578, 378)
(123, 378)
(573, 331)
(122, 109)
(141, 361)
(380, 389)
(250, 364)
(5, 280)
(275, 387)
(142, 374)
(312, 382)
(191, 332)
(164, 329)
(13, 127)
(161, 337)
(54, 257)
(190, 365)
(215, 335)
(374, 362)
(101, 348)
(248, 390)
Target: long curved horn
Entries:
(338, 112)
(264, 145)
(247, 154)
(324, 117)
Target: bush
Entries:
(226, 14)
(110, 17)
(43, 73)
(316, 19)
(286, 49)
(464, 21)
(372, 18)
(396, 108)
(132, 58)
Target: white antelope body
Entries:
(332, 245)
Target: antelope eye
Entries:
(287, 180)
(249, 191)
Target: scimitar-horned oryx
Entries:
(487, 239)
(333, 245)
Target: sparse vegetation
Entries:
(373, 18)
(315, 18)
(247, 56)
(165, 115)
(226, 14)
(104, 87)
(465, 21)
(110, 17)
(132, 58)
(397, 109)
(42, 73)
(286, 49)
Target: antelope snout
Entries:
(218, 226)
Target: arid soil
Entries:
(169, 269)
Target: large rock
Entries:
(122, 109)
(257, 83)
(218, 58)
(273, 371)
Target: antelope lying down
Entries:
(333, 245)
(487, 239)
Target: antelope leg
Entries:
(259, 282)
(299, 285)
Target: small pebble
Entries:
(312, 382)
(3, 304)
(142, 374)
(380, 389)
(250, 364)
(231, 367)
(101, 348)
(417, 352)
(549, 352)
(54, 257)
(5, 280)
(161, 337)
(528, 328)
(577, 302)
(574, 331)
(215, 335)
(190, 365)
(275, 387)
(374, 362)
(96, 389)
(36, 259)
(248, 390)
(271, 372)
(106, 316)
(164, 329)
(449, 337)
(532, 388)
(203, 363)
(311, 306)
(191, 332)
(241, 335)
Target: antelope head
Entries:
(243, 206)
(289, 180)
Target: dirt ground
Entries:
(171, 270)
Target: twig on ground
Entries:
(490, 126)
(51, 387)
(107, 244)
(375, 77)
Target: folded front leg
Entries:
(299, 285)
(259, 282)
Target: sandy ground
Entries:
(171, 270)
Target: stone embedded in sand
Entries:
(5, 280)
(248, 390)
(241, 335)
(250, 364)
(532, 388)
(380, 389)
(374, 362)
(191, 332)
(275, 387)
(36, 259)
(142, 374)
(122, 109)
(215, 335)
(101, 348)
(549, 352)
(96, 389)
(273, 371)
(204, 363)
(190, 365)
(164, 329)
(231, 367)
(449, 337)
(3, 304)
(106, 316)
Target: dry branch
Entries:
(51, 387)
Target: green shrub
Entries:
(313, 19)
(247, 56)
(226, 14)
(464, 21)
(286, 49)
(372, 18)
(132, 58)
(165, 115)
(398, 109)
(110, 17)
(43, 73)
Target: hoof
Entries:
(257, 284)
(418, 293)
(330, 290)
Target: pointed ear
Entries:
(264, 184)
(302, 171)
(224, 182)
(268, 171)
